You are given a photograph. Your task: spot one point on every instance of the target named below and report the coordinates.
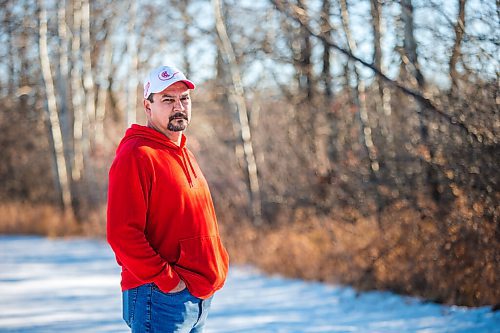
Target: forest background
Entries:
(344, 141)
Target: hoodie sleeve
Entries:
(128, 193)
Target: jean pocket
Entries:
(129, 301)
(155, 288)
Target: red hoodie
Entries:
(161, 221)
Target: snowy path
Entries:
(73, 286)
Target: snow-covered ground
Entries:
(73, 286)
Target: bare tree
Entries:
(88, 79)
(9, 43)
(412, 68)
(383, 105)
(410, 56)
(303, 63)
(360, 100)
(63, 85)
(133, 56)
(456, 50)
(55, 127)
(238, 96)
(325, 123)
(102, 93)
(326, 30)
(187, 22)
(77, 93)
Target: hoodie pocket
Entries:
(202, 264)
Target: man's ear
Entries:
(147, 106)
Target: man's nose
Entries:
(178, 104)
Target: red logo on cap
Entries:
(164, 76)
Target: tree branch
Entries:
(299, 15)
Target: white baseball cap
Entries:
(162, 77)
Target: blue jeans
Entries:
(148, 309)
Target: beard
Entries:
(177, 122)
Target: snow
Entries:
(72, 285)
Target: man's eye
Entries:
(185, 99)
(168, 100)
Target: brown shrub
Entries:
(447, 259)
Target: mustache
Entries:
(177, 116)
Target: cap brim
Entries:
(188, 83)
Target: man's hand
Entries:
(180, 287)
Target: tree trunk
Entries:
(360, 97)
(410, 59)
(77, 93)
(306, 108)
(456, 52)
(306, 78)
(326, 28)
(55, 128)
(301, 48)
(410, 44)
(102, 93)
(88, 80)
(132, 52)
(63, 71)
(325, 124)
(186, 38)
(9, 44)
(363, 115)
(383, 104)
(238, 95)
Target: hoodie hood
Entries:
(147, 134)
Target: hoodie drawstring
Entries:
(191, 165)
(186, 160)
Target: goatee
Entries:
(174, 126)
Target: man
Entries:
(161, 221)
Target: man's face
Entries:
(170, 110)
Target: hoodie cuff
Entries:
(167, 282)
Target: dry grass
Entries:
(47, 220)
(43, 219)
